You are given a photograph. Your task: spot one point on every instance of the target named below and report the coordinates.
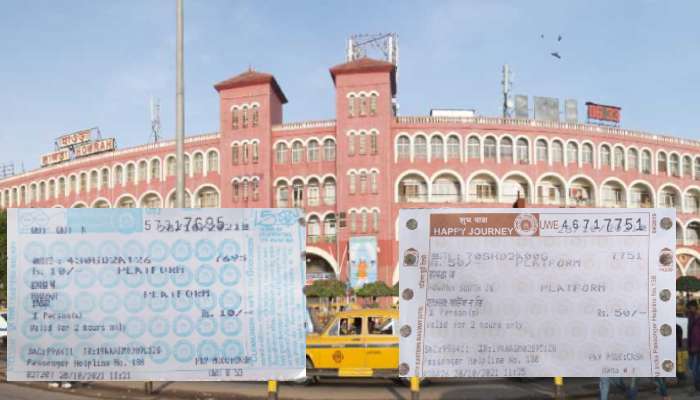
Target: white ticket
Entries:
(537, 292)
(155, 294)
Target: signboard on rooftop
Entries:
(537, 292)
(600, 112)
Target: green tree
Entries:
(327, 289)
(3, 253)
(374, 290)
(688, 284)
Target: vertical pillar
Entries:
(415, 388)
(272, 390)
(558, 387)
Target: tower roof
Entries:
(366, 65)
(250, 78)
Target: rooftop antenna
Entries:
(155, 120)
(506, 84)
(385, 46)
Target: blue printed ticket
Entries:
(155, 294)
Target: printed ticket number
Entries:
(537, 292)
(155, 294)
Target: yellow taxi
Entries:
(355, 343)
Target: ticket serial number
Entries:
(596, 225)
(192, 224)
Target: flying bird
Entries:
(542, 36)
(556, 54)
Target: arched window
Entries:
(373, 145)
(256, 116)
(187, 201)
(61, 187)
(198, 163)
(619, 158)
(155, 169)
(83, 182)
(506, 149)
(143, 171)
(213, 161)
(351, 143)
(687, 167)
(542, 151)
(351, 105)
(93, 180)
(352, 183)
(313, 229)
(473, 148)
(420, 147)
(587, 154)
(375, 220)
(313, 192)
(490, 148)
(632, 159)
(363, 105)
(362, 143)
(172, 166)
(33, 193)
(697, 168)
(235, 190)
(244, 152)
(281, 153)
(234, 153)
(297, 151)
(557, 152)
(73, 185)
(572, 153)
(297, 193)
(329, 191)
(256, 151)
(312, 151)
(119, 175)
(151, 200)
(282, 194)
(187, 166)
(105, 178)
(373, 181)
(208, 198)
(329, 150)
(373, 104)
(605, 156)
(363, 182)
(256, 189)
(329, 229)
(403, 148)
(244, 116)
(234, 118)
(244, 189)
(646, 162)
(523, 151)
(364, 220)
(437, 150)
(661, 163)
(674, 165)
(52, 188)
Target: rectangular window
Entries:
(313, 199)
(380, 326)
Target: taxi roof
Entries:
(375, 312)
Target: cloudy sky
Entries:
(69, 65)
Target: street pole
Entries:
(180, 114)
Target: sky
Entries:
(70, 65)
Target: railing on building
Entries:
(291, 126)
(626, 133)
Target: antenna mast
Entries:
(506, 84)
(385, 44)
(155, 120)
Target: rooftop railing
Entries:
(607, 130)
(330, 123)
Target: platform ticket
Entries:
(155, 294)
(537, 292)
